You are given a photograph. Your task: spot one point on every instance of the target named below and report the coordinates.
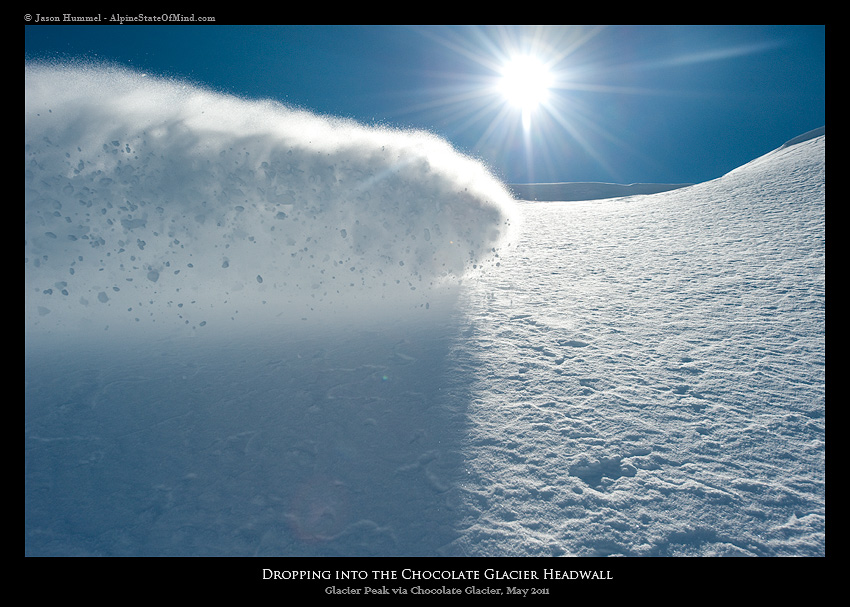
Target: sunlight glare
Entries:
(525, 82)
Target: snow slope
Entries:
(641, 376)
(650, 373)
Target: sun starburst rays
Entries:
(516, 93)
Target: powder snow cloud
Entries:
(154, 202)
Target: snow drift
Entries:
(158, 203)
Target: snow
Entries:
(175, 206)
(635, 376)
(587, 190)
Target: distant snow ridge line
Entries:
(154, 201)
(805, 137)
(590, 190)
(785, 148)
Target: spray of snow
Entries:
(155, 203)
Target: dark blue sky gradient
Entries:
(633, 103)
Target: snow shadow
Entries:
(335, 443)
(237, 317)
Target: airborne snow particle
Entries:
(289, 193)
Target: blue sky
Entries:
(625, 104)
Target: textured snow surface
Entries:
(651, 373)
(640, 376)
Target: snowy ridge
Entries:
(587, 190)
(775, 155)
(574, 191)
(641, 377)
(805, 137)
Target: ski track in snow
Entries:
(641, 376)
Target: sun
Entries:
(525, 82)
(512, 91)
